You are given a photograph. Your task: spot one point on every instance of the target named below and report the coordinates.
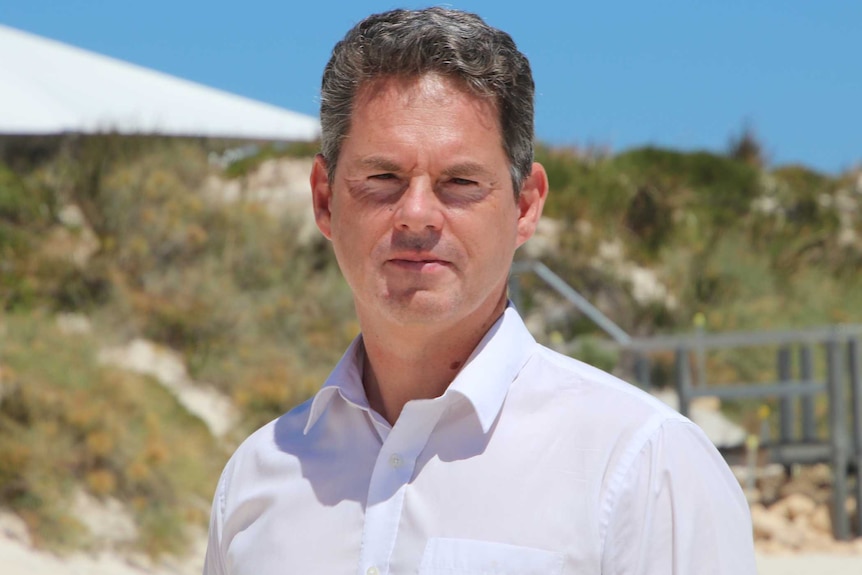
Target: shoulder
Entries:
(591, 395)
(271, 444)
(659, 479)
(592, 409)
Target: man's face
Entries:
(421, 211)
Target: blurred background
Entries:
(163, 291)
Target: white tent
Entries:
(47, 87)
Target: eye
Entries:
(386, 176)
(462, 192)
(462, 182)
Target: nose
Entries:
(419, 208)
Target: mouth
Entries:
(418, 263)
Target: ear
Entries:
(321, 196)
(531, 201)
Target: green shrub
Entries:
(582, 186)
(26, 212)
(716, 188)
(66, 421)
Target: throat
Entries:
(390, 385)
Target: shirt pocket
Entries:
(445, 556)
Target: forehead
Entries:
(406, 92)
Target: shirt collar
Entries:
(483, 381)
(345, 380)
(492, 367)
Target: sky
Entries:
(613, 75)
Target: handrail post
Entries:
(855, 372)
(700, 355)
(683, 379)
(806, 373)
(642, 371)
(786, 404)
(838, 439)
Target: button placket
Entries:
(392, 472)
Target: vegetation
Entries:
(67, 422)
(258, 315)
(745, 247)
(123, 231)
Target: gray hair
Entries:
(455, 44)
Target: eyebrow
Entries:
(468, 169)
(379, 163)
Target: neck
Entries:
(417, 362)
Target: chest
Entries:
(457, 501)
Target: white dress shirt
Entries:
(530, 463)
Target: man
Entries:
(447, 440)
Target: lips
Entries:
(418, 262)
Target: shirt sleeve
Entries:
(213, 560)
(677, 509)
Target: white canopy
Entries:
(47, 87)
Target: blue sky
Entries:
(614, 74)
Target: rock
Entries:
(280, 185)
(546, 240)
(821, 519)
(752, 495)
(74, 245)
(819, 474)
(165, 365)
(766, 524)
(645, 286)
(771, 481)
(107, 520)
(71, 216)
(13, 527)
(795, 506)
(706, 403)
(804, 487)
(791, 524)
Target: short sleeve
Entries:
(678, 510)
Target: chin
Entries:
(422, 308)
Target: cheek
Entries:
(354, 244)
(503, 228)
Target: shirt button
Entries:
(372, 571)
(395, 461)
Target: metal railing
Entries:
(840, 385)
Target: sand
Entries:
(17, 558)
(809, 564)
